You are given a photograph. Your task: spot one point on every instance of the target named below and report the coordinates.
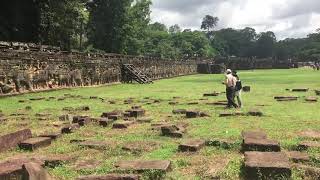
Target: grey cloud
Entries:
(296, 8)
(183, 6)
(189, 13)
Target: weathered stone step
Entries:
(211, 94)
(122, 125)
(109, 114)
(144, 120)
(162, 165)
(223, 143)
(297, 156)
(255, 112)
(246, 88)
(53, 161)
(11, 140)
(110, 177)
(35, 143)
(263, 145)
(254, 134)
(34, 171)
(104, 122)
(269, 165)
(191, 145)
(99, 145)
(192, 114)
(286, 98)
(179, 111)
(81, 120)
(52, 135)
(12, 169)
(308, 144)
(312, 134)
(300, 90)
(311, 99)
(172, 130)
(69, 128)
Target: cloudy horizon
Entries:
(286, 18)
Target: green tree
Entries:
(265, 44)
(157, 27)
(209, 22)
(107, 24)
(174, 29)
(136, 27)
(62, 23)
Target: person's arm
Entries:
(225, 82)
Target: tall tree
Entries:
(107, 22)
(136, 27)
(265, 44)
(209, 22)
(174, 29)
(158, 27)
(62, 22)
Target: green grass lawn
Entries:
(281, 121)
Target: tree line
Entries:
(124, 26)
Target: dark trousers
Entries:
(230, 92)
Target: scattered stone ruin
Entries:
(30, 67)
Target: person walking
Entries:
(230, 82)
(238, 89)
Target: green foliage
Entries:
(124, 27)
(209, 22)
(108, 24)
(62, 23)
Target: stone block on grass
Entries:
(192, 114)
(222, 143)
(255, 112)
(263, 145)
(139, 165)
(122, 125)
(70, 128)
(226, 114)
(305, 145)
(11, 140)
(300, 90)
(191, 145)
(104, 122)
(311, 99)
(99, 145)
(311, 134)
(256, 134)
(52, 135)
(110, 177)
(34, 171)
(179, 111)
(266, 165)
(35, 143)
(246, 88)
(172, 131)
(297, 156)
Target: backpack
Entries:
(238, 85)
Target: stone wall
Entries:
(28, 67)
(218, 65)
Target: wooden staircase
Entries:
(130, 73)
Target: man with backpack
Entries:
(230, 82)
(238, 89)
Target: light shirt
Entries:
(230, 81)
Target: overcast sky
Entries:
(286, 18)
